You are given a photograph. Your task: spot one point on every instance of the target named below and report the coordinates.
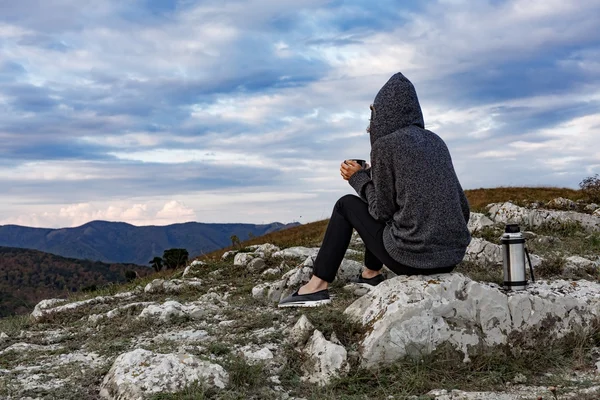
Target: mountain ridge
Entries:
(120, 242)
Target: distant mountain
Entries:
(28, 276)
(118, 242)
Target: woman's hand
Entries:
(349, 168)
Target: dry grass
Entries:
(308, 235)
(479, 198)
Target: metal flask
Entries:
(513, 258)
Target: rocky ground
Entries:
(214, 331)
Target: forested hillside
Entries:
(28, 276)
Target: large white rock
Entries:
(506, 213)
(169, 309)
(414, 315)
(297, 252)
(193, 267)
(562, 204)
(115, 312)
(256, 265)
(300, 331)
(591, 207)
(242, 259)
(228, 254)
(172, 285)
(42, 307)
(325, 360)
(482, 251)
(140, 373)
(356, 240)
(349, 269)
(188, 335)
(576, 263)
(48, 306)
(256, 356)
(269, 290)
(266, 250)
(478, 221)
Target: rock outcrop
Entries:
(325, 360)
(506, 213)
(139, 373)
(415, 315)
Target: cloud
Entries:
(131, 106)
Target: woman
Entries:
(412, 213)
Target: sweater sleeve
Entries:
(376, 186)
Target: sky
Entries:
(155, 112)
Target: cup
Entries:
(358, 161)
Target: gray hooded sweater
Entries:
(411, 184)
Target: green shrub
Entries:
(590, 187)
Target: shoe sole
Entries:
(364, 285)
(316, 303)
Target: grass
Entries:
(15, 324)
(490, 369)
(551, 267)
(480, 198)
(307, 235)
(481, 272)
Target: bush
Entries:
(591, 188)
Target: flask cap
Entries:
(512, 228)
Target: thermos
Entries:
(513, 258)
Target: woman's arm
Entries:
(377, 186)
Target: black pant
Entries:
(351, 212)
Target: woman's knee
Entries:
(345, 201)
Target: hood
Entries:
(396, 106)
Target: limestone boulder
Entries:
(300, 331)
(356, 240)
(478, 222)
(266, 250)
(562, 204)
(42, 307)
(228, 254)
(349, 269)
(412, 316)
(140, 373)
(256, 265)
(325, 360)
(242, 259)
(171, 285)
(173, 309)
(262, 355)
(297, 252)
(509, 213)
(591, 207)
(577, 263)
(50, 306)
(482, 251)
(194, 267)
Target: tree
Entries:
(235, 241)
(130, 275)
(251, 235)
(157, 263)
(590, 186)
(175, 258)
